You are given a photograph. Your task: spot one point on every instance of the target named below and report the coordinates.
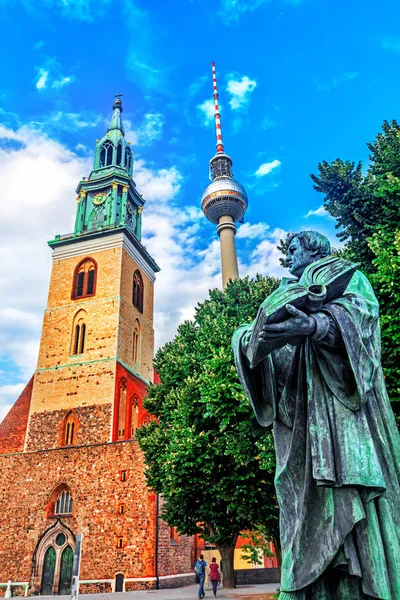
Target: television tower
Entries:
(224, 200)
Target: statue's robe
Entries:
(337, 452)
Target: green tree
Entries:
(366, 206)
(205, 453)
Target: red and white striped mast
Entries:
(217, 114)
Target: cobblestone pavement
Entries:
(243, 592)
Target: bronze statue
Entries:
(310, 366)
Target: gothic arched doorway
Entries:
(67, 561)
(53, 561)
(49, 568)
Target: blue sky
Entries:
(299, 82)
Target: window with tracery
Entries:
(106, 154)
(79, 333)
(136, 343)
(137, 292)
(85, 279)
(122, 410)
(64, 503)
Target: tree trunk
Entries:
(227, 554)
(278, 552)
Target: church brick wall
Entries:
(70, 387)
(46, 429)
(93, 473)
(127, 316)
(108, 276)
(57, 332)
(175, 555)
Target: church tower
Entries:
(99, 317)
(69, 459)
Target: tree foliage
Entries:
(256, 546)
(205, 453)
(366, 206)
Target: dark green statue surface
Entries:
(322, 388)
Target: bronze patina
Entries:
(315, 375)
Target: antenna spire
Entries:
(217, 114)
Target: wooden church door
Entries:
(67, 560)
(49, 567)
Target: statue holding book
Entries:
(310, 366)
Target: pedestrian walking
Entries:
(200, 570)
(215, 575)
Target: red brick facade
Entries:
(93, 474)
(69, 460)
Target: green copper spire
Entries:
(116, 121)
(108, 198)
(113, 151)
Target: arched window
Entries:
(106, 154)
(64, 503)
(134, 415)
(137, 293)
(136, 343)
(119, 154)
(70, 427)
(122, 410)
(78, 338)
(85, 276)
(128, 159)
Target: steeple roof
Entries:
(116, 119)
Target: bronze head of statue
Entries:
(305, 248)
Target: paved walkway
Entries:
(243, 592)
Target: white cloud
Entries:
(266, 168)
(151, 130)
(147, 132)
(31, 214)
(60, 83)
(319, 212)
(208, 110)
(50, 76)
(43, 76)
(265, 256)
(240, 90)
(254, 231)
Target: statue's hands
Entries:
(300, 324)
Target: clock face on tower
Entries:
(99, 198)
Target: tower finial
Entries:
(217, 114)
(117, 101)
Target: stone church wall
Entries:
(94, 476)
(46, 429)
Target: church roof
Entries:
(13, 427)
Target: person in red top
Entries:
(214, 575)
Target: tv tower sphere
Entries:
(224, 196)
(224, 201)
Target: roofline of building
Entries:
(71, 238)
